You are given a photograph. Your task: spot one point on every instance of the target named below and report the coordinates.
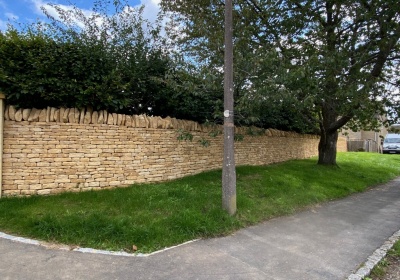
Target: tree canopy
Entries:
(112, 58)
(335, 61)
(102, 61)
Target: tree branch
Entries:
(340, 122)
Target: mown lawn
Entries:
(154, 216)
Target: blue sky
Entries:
(26, 11)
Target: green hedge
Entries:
(37, 71)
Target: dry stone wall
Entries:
(55, 150)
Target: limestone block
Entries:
(100, 119)
(52, 112)
(115, 118)
(158, 122)
(43, 115)
(119, 119)
(95, 117)
(57, 115)
(18, 115)
(48, 114)
(152, 122)
(71, 115)
(135, 121)
(168, 123)
(180, 124)
(82, 116)
(175, 123)
(11, 112)
(28, 192)
(162, 123)
(128, 121)
(194, 126)
(140, 121)
(110, 119)
(187, 125)
(64, 117)
(197, 126)
(62, 110)
(144, 122)
(88, 117)
(34, 115)
(271, 131)
(44, 192)
(105, 116)
(146, 119)
(25, 114)
(6, 114)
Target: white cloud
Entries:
(152, 7)
(39, 6)
(150, 12)
(11, 16)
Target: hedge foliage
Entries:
(37, 71)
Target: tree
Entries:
(115, 61)
(111, 58)
(335, 59)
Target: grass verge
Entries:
(154, 216)
(391, 260)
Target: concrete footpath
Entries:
(330, 241)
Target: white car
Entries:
(391, 144)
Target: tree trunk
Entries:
(327, 148)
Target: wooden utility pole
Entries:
(228, 168)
